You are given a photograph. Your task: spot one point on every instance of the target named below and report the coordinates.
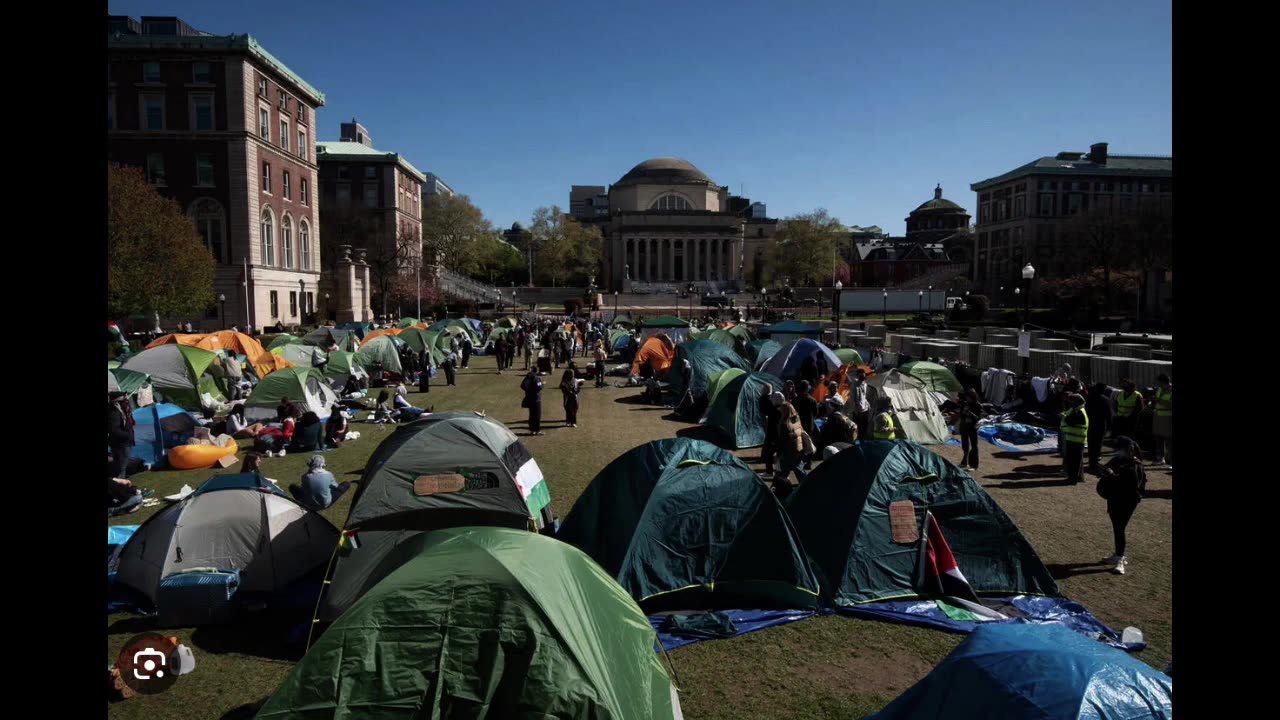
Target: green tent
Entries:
(724, 337)
(179, 373)
(282, 340)
(438, 341)
(415, 338)
(408, 488)
(507, 322)
(620, 335)
(681, 523)
(408, 322)
(622, 320)
(706, 358)
(841, 512)
(380, 354)
(933, 376)
(113, 364)
(849, 356)
(759, 351)
(126, 381)
(460, 324)
(341, 366)
(736, 410)
(302, 354)
(483, 622)
(718, 380)
(305, 387)
(327, 337)
(743, 332)
(360, 329)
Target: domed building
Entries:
(668, 225)
(936, 220)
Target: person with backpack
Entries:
(1124, 479)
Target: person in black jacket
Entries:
(769, 414)
(1123, 481)
(967, 426)
(119, 432)
(806, 407)
(532, 387)
(1098, 405)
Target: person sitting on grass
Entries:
(123, 497)
(404, 410)
(318, 489)
(238, 427)
(308, 435)
(335, 431)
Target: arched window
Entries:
(671, 201)
(207, 214)
(304, 245)
(268, 242)
(286, 242)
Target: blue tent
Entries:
(785, 363)
(157, 427)
(1045, 672)
(250, 480)
(788, 330)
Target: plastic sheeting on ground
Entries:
(992, 434)
(1039, 610)
(741, 622)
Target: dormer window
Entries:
(671, 202)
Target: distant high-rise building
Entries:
(436, 186)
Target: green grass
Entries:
(831, 667)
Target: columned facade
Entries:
(680, 259)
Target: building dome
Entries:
(665, 171)
(938, 203)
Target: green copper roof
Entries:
(340, 150)
(939, 204)
(1131, 165)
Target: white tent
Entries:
(915, 412)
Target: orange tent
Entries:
(200, 340)
(269, 362)
(841, 376)
(658, 351)
(238, 342)
(391, 331)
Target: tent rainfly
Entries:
(306, 387)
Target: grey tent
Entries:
(915, 411)
(447, 469)
(326, 337)
(380, 354)
(272, 540)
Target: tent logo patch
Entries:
(902, 522)
(437, 484)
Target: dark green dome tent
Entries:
(760, 350)
(282, 340)
(445, 470)
(707, 358)
(720, 335)
(326, 337)
(683, 524)
(483, 622)
(841, 512)
(735, 411)
(360, 329)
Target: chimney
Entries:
(1098, 153)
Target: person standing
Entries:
(450, 363)
(569, 388)
(769, 414)
(1123, 481)
(790, 447)
(600, 356)
(424, 378)
(967, 426)
(1073, 433)
(532, 387)
(119, 432)
(1129, 404)
(500, 352)
(1162, 423)
(858, 404)
(806, 407)
(1098, 406)
(466, 351)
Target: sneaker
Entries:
(965, 468)
(1109, 560)
(282, 451)
(1119, 568)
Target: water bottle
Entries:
(1131, 635)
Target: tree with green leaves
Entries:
(805, 248)
(495, 261)
(568, 251)
(452, 230)
(156, 261)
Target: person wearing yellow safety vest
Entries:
(1073, 432)
(1129, 405)
(1162, 423)
(882, 427)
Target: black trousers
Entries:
(119, 461)
(600, 373)
(1073, 459)
(448, 373)
(1096, 435)
(571, 413)
(1120, 512)
(767, 452)
(969, 446)
(466, 356)
(535, 417)
(424, 381)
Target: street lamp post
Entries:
(222, 299)
(328, 309)
(1028, 274)
(839, 287)
(920, 304)
(931, 301)
(615, 306)
(302, 300)
(884, 313)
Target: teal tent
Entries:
(126, 381)
(380, 354)
(718, 380)
(282, 340)
(841, 512)
(758, 351)
(620, 340)
(706, 358)
(681, 523)
(736, 409)
(483, 622)
(360, 329)
(327, 337)
(460, 324)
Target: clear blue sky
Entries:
(859, 107)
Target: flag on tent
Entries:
(943, 578)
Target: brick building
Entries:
(1022, 214)
(228, 131)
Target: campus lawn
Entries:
(817, 668)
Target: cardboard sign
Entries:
(436, 484)
(902, 522)
(227, 461)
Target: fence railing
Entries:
(464, 288)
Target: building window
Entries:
(200, 72)
(111, 111)
(344, 196)
(344, 172)
(302, 143)
(264, 124)
(284, 100)
(286, 242)
(153, 111)
(266, 177)
(284, 186)
(262, 91)
(1102, 202)
(370, 173)
(268, 242)
(1046, 204)
(305, 195)
(1019, 206)
(202, 112)
(671, 202)
(1074, 203)
(151, 72)
(304, 245)
(204, 170)
(275, 304)
(1146, 187)
(207, 215)
(371, 197)
(1126, 187)
(284, 134)
(310, 302)
(984, 213)
(302, 112)
(155, 169)
(293, 303)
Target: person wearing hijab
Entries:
(319, 489)
(769, 413)
(532, 387)
(1123, 481)
(569, 388)
(308, 434)
(404, 410)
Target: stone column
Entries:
(662, 259)
(671, 260)
(717, 249)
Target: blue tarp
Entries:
(1035, 671)
(1003, 437)
(743, 621)
(117, 536)
(157, 427)
(1039, 610)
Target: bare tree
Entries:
(1097, 238)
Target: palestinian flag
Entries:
(942, 579)
(528, 477)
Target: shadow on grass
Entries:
(1062, 571)
(264, 635)
(636, 399)
(244, 712)
(702, 432)
(1029, 484)
(1163, 494)
(132, 625)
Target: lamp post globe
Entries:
(222, 301)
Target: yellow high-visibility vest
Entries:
(1126, 404)
(890, 434)
(1075, 433)
(1164, 396)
